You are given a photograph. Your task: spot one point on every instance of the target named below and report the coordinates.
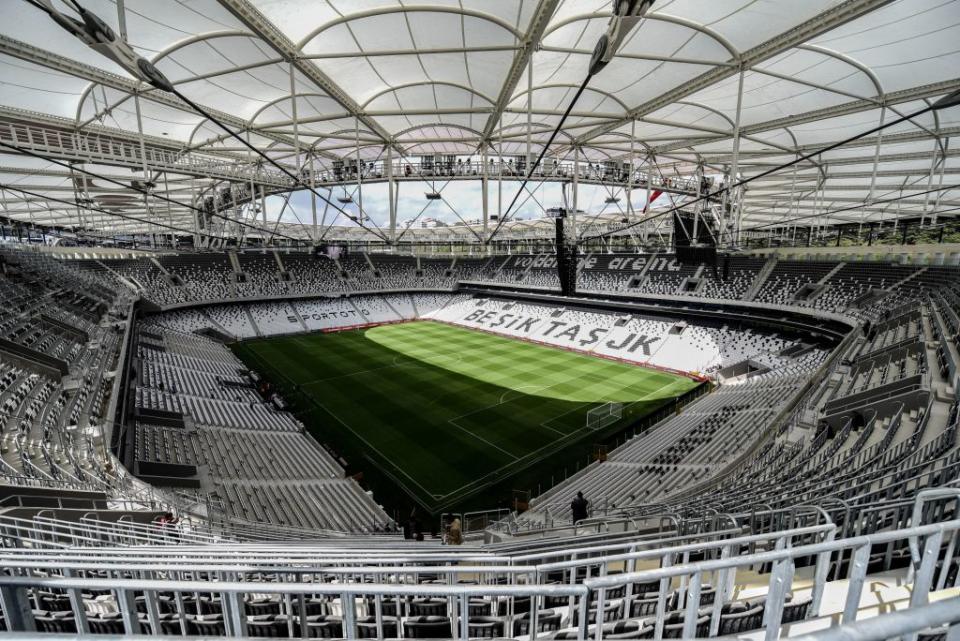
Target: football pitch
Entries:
(444, 410)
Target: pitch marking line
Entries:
(453, 421)
(504, 401)
(606, 398)
(371, 446)
(536, 388)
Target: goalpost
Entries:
(604, 415)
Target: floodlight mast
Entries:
(627, 14)
(97, 34)
(945, 102)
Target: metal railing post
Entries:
(693, 606)
(350, 617)
(16, 607)
(924, 576)
(858, 571)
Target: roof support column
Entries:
(698, 175)
(173, 234)
(576, 189)
(313, 197)
(500, 172)
(818, 201)
(77, 196)
(933, 169)
(633, 129)
(485, 182)
(263, 211)
(253, 195)
(876, 157)
(143, 149)
(122, 23)
(195, 200)
(791, 211)
(735, 161)
(359, 166)
(527, 164)
(296, 138)
(392, 203)
(943, 168)
(645, 229)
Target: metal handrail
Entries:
(904, 624)
(782, 574)
(782, 559)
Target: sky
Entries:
(461, 197)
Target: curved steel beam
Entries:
(660, 17)
(381, 11)
(564, 85)
(407, 85)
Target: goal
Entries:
(604, 415)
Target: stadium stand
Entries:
(670, 344)
(550, 319)
(862, 432)
(312, 274)
(258, 275)
(243, 451)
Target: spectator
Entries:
(167, 523)
(578, 507)
(412, 527)
(454, 533)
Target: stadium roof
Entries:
(373, 77)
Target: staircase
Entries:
(156, 263)
(696, 281)
(253, 323)
(293, 310)
(280, 266)
(873, 295)
(235, 262)
(217, 325)
(170, 278)
(903, 281)
(762, 277)
(122, 279)
(413, 302)
(642, 276)
(341, 272)
(581, 263)
(359, 311)
(831, 273)
(393, 309)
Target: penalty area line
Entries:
(372, 447)
(453, 421)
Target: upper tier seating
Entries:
(261, 275)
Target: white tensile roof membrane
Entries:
(315, 82)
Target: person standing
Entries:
(578, 507)
(454, 533)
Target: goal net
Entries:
(604, 415)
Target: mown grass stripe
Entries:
(447, 405)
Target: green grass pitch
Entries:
(444, 408)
